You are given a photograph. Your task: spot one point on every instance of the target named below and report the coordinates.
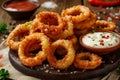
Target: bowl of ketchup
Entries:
(20, 9)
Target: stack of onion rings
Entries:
(58, 34)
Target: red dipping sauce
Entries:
(21, 6)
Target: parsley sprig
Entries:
(4, 74)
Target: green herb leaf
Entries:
(3, 27)
(95, 45)
(116, 40)
(4, 74)
(118, 69)
(29, 24)
(93, 31)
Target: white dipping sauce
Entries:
(101, 39)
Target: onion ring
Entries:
(24, 48)
(62, 30)
(73, 39)
(86, 24)
(86, 60)
(19, 33)
(67, 31)
(102, 25)
(68, 58)
(48, 23)
(76, 13)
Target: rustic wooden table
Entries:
(107, 13)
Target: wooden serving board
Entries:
(46, 72)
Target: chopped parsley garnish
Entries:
(116, 40)
(101, 34)
(101, 40)
(114, 35)
(95, 45)
(22, 38)
(109, 44)
(93, 39)
(93, 31)
(28, 24)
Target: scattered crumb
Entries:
(1, 64)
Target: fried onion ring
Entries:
(60, 30)
(102, 25)
(86, 60)
(67, 31)
(73, 39)
(67, 60)
(24, 48)
(48, 23)
(86, 24)
(77, 13)
(18, 34)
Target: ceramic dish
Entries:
(19, 14)
(100, 42)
